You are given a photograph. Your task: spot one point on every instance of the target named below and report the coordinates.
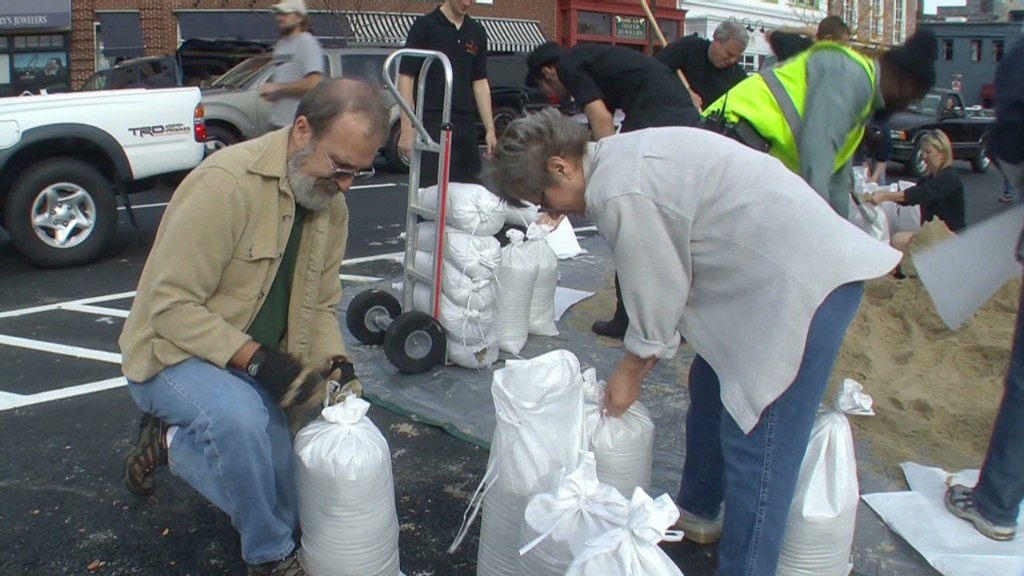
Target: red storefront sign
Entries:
(619, 22)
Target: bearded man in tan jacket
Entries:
(234, 320)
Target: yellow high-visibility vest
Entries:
(774, 100)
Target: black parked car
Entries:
(940, 110)
(510, 97)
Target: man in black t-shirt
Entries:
(711, 67)
(600, 79)
(450, 30)
(788, 42)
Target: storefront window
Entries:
(669, 28)
(33, 62)
(594, 24)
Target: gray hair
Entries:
(333, 97)
(728, 31)
(518, 171)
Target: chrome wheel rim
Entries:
(63, 215)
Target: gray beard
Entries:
(310, 192)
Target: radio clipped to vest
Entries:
(741, 130)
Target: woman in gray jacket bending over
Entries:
(725, 247)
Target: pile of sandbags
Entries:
(524, 288)
(469, 259)
(543, 481)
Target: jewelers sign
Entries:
(35, 15)
(631, 27)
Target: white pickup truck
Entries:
(64, 159)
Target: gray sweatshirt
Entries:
(724, 245)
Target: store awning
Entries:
(253, 25)
(121, 33)
(503, 35)
(35, 15)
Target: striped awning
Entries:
(503, 35)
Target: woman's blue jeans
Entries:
(1000, 488)
(755, 474)
(234, 447)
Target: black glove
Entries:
(284, 377)
(339, 369)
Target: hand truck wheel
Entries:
(415, 342)
(370, 314)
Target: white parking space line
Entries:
(393, 256)
(358, 278)
(10, 401)
(59, 305)
(63, 349)
(97, 310)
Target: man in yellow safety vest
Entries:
(810, 111)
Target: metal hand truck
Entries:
(414, 341)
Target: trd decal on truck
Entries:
(161, 130)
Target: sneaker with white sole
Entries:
(700, 530)
(960, 501)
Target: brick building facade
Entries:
(877, 24)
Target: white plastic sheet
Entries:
(559, 522)
(471, 208)
(563, 241)
(346, 495)
(951, 545)
(623, 446)
(632, 550)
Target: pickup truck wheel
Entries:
(916, 165)
(60, 213)
(396, 163)
(980, 162)
(502, 118)
(219, 137)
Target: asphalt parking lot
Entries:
(66, 422)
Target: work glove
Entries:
(285, 378)
(339, 369)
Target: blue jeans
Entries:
(755, 474)
(234, 447)
(1000, 488)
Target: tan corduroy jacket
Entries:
(216, 253)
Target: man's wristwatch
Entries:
(255, 361)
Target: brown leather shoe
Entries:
(150, 455)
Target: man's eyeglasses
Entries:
(345, 174)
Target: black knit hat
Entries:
(540, 57)
(916, 58)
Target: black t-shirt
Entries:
(941, 196)
(622, 78)
(785, 45)
(690, 54)
(466, 48)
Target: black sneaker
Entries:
(288, 567)
(610, 328)
(149, 456)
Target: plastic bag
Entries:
(346, 495)
(513, 293)
(471, 208)
(536, 401)
(474, 256)
(521, 216)
(868, 217)
(624, 445)
(823, 516)
(465, 325)
(473, 356)
(462, 289)
(542, 305)
(632, 550)
(558, 523)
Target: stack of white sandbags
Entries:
(471, 253)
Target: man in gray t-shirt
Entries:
(298, 63)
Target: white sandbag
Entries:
(536, 402)
(462, 289)
(632, 550)
(868, 217)
(471, 208)
(346, 495)
(521, 216)
(474, 256)
(474, 356)
(513, 294)
(623, 445)
(542, 305)
(823, 516)
(461, 324)
(558, 523)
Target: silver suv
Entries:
(235, 111)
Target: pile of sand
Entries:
(936, 391)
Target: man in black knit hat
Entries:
(810, 112)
